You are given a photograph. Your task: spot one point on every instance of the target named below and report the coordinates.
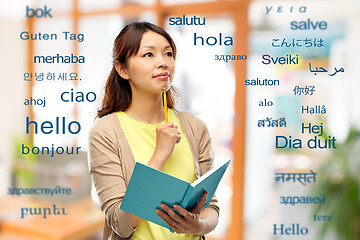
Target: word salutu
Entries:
(184, 20)
(302, 178)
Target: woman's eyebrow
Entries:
(152, 47)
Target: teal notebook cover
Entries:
(148, 188)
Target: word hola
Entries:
(293, 230)
(42, 211)
(184, 20)
(39, 12)
(280, 60)
(35, 102)
(279, 9)
(47, 126)
(77, 96)
(228, 41)
(308, 25)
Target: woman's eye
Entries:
(169, 54)
(149, 54)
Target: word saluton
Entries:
(184, 20)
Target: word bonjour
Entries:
(51, 151)
(52, 36)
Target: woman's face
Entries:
(152, 67)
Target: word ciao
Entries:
(72, 96)
(184, 20)
(280, 9)
(52, 36)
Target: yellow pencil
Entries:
(165, 105)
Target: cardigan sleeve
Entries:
(106, 172)
(206, 155)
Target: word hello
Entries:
(184, 20)
(293, 230)
(39, 12)
(47, 127)
(280, 60)
(280, 9)
(228, 41)
(42, 211)
(308, 25)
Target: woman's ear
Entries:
(121, 70)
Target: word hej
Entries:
(313, 143)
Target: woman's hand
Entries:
(167, 135)
(189, 222)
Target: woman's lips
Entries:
(162, 76)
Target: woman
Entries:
(131, 129)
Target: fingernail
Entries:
(157, 211)
(162, 206)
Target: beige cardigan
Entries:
(111, 163)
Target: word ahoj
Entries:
(35, 102)
(184, 20)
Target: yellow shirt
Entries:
(142, 140)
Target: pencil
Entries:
(165, 105)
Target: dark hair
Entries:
(118, 95)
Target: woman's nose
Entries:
(162, 63)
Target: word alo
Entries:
(42, 211)
(228, 41)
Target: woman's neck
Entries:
(146, 108)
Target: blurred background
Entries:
(215, 91)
